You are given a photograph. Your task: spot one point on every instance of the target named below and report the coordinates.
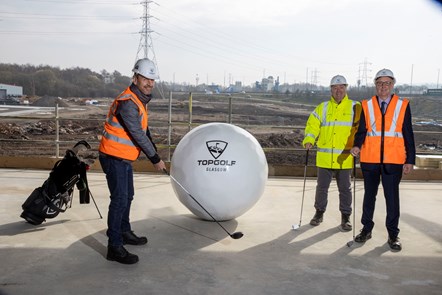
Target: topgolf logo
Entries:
(216, 148)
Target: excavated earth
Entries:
(277, 125)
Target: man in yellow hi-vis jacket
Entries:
(332, 126)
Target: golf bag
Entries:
(56, 193)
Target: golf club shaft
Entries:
(303, 188)
(354, 196)
(349, 244)
(187, 192)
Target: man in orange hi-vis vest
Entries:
(385, 143)
(126, 134)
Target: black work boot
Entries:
(131, 238)
(394, 244)
(345, 222)
(363, 237)
(317, 219)
(121, 255)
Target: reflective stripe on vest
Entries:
(335, 123)
(336, 151)
(384, 146)
(391, 132)
(115, 140)
(118, 139)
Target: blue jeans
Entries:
(119, 176)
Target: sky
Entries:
(224, 41)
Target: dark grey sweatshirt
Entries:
(127, 114)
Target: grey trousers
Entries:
(343, 180)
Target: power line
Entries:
(62, 33)
(176, 29)
(84, 2)
(21, 15)
(243, 44)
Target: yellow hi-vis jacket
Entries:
(115, 140)
(333, 126)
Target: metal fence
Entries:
(56, 129)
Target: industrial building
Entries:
(10, 93)
(10, 90)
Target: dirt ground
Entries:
(278, 125)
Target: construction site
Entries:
(187, 255)
(273, 250)
(50, 125)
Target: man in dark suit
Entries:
(385, 143)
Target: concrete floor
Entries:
(185, 255)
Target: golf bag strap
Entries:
(56, 164)
(50, 204)
(83, 191)
(55, 208)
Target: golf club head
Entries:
(295, 226)
(349, 244)
(237, 235)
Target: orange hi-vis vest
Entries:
(384, 142)
(115, 140)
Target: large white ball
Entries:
(223, 167)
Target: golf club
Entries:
(349, 244)
(235, 235)
(297, 226)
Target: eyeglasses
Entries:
(380, 83)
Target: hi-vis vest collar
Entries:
(112, 120)
(375, 130)
(335, 123)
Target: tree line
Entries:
(73, 82)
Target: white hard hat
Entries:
(338, 80)
(146, 68)
(384, 73)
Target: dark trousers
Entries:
(343, 180)
(119, 176)
(390, 175)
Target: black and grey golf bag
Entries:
(56, 193)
